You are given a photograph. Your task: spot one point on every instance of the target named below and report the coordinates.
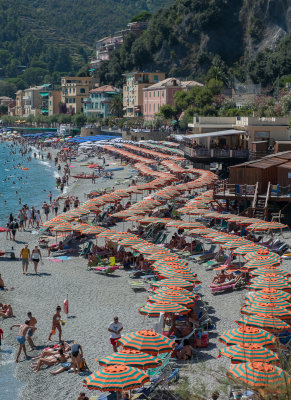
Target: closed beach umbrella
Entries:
(267, 322)
(116, 378)
(259, 374)
(244, 352)
(266, 308)
(155, 309)
(174, 282)
(247, 334)
(173, 297)
(147, 341)
(133, 358)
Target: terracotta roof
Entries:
(105, 88)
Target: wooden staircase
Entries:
(260, 203)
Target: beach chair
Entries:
(156, 240)
(163, 239)
(137, 285)
(87, 249)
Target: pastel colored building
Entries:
(51, 99)
(32, 101)
(135, 82)
(74, 91)
(98, 104)
(162, 93)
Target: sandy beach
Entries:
(94, 299)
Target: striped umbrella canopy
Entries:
(251, 247)
(267, 322)
(259, 374)
(273, 292)
(131, 242)
(166, 256)
(116, 378)
(147, 341)
(94, 230)
(256, 255)
(267, 226)
(277, 301)
(269, 283)
(232, 244)
(263, 261)
(63, 228)
(267, 308)
(171, 273)
(175, 289)
(155, 309)
(247, 334)
(274, 271)
(225, 238)
(131, 357)
(174, 282)
(174, 264)
(173, 297)
(270, 276)
(244, 352)
(81, 227)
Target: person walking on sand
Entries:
(25, 256)
(31, 330)
(56, 323)
(36, 257)
(115, 328)
(22, 331)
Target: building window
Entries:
(145, 108)
(82, 90)
(150, 108)
(150, 94)
(156, 78)
(154, 107)
(146, 94)
(154, 94)
(158, 93)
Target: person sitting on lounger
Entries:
(181, 331)
(55, 247)
(186, 352)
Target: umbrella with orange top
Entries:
(173, 297)
(243, 352)
(247, 248)
(259, 374)
(267, 322)
(171, 273)
(273, 270)
(247, 334)
(131, 357)
(262, 261)
(116, 378)
(267, 309)
(147, 341)
(155, 309)
(174, 282)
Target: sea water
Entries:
(32, 186)
(9, 386)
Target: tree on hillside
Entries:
(7, 89)
(142, 16)
(116, 106)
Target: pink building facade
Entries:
(162, 93)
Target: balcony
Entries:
(203, 153)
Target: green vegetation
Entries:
(53, 38)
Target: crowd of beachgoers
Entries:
(141, 227)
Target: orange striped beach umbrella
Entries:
(273, 292)
(155, 309)
(277, 301)
(247, 334)
(116, 378)
(262, 261)
(251, 247)
(174, 282)
(175, 289)
(147, 341)
(133, 358)
(274, 271)
(266, 309)
(92, 230)
(173, 297)
(171, 273)
(244, 352)
(259, 374)
(269, 283)
(267, 322)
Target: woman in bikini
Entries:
(36, 257)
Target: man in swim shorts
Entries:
(25, 256)
(115, 328)
(31, 330)
(22, 331)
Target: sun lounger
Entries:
(137, 285)
(87, 249)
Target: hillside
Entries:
(58, 35)
(223, 38)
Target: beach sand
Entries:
(94, 299)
